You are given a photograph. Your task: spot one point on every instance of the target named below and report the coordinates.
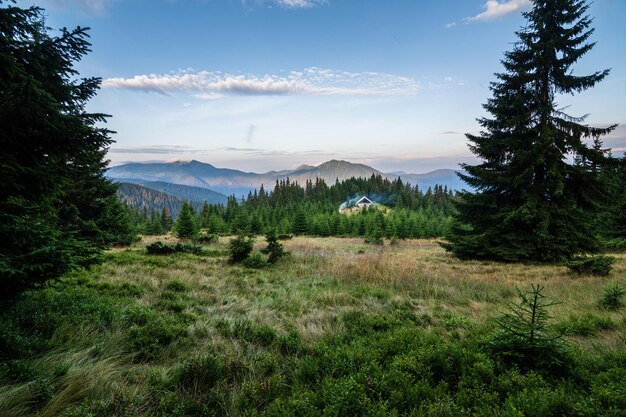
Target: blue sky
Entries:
(272, 84)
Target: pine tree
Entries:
(166, 220)
(57, 210)
(300, 226)
(274, 249)
(531, 202)
(203, 217)
(185, 226)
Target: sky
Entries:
(261, 85)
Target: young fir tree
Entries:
(274, 249)
(185, 226)
(57, 210)
(532, 203)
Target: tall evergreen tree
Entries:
(532, 203)
(185, 226)
(57, 210)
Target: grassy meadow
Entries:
(339, 327)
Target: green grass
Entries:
(336, 328)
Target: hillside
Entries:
(148, 199)
(187, 192)
(230, 181)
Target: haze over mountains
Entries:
(231, 181)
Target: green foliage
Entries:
(612, 297)
(255, 260)
(57, 211)
(524, 338)
(185, 226)
(160, 248)
(240, 248)
(586, 325)
(150, 331)
(591, 265)
(300, 226)
(28, 322)
(274, 248)
(532, 203)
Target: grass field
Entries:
(338, 327)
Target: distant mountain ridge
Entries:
(230, 181)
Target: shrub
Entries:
(524, 339)
(198, 374)
(256, 261)
(612, 297)
(150, 331)
(591, 265)
(206, 238)
(240, 248)
(160, 248)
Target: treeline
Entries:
(313, 209)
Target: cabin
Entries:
(364, 202)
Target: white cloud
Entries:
(450, 25)
(311, 81)
(299, 4)
(287, 4)
(495, 9)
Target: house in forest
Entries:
(364, 202)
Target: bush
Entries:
(240, 248)
(206, 238)
(256, 261)
(612, 297)
(198, 374)
(151, 331)
(591, 265)
(160, 248)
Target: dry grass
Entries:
(324, 278)
(308, 292)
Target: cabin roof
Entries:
(364, 200)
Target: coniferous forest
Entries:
(313, 209)
(305, 299)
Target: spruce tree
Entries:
(185, 226)
(166, 220)
(300, 226)
(57, 210)
(532, 203)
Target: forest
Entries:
(313, 209)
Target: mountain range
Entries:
(222, 181)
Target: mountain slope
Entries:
(446, 177)
(187, 192)
(147, 199)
